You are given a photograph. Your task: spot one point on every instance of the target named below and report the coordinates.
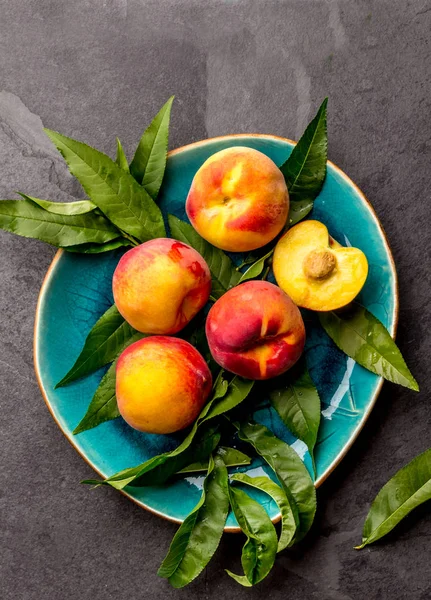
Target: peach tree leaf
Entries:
(305, 169)
(409, 487)
(260, 549)
(149, 163)
(28, 219)
(112, 189)
(199, 535)
(295, 398)
(121, 158)
(158, 469)
(265, 484)
(98, 248)
(103, 406)
(80, 207)
(360, 335)
(290, 471)
(107, 338)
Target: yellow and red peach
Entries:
(315, 270)
(161, 285)
(238, 200)
(255, 330)
(162, 383)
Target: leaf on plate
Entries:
(305, 169)
(296, 400)
(121, 158)
(103, 406)
(194, 448)
(26, 218)
(113, 190)
(290, 471)
(223, 272)
(149, 163)
(256, 268)
(265, 484)
(225, 397)
(199, 535)
(237, 391)
(158, 469)
(364, 338)
(231, 457)
(298, 210)
(107, 338)
(407, 489)
(80, 207)
(99, 248)
(260, 549)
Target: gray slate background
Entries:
(94, 69)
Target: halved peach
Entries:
(315, 270)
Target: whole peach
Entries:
(162, 384)
(238, 200)
(161, 285)
(255, 330)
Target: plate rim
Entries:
(51, 270)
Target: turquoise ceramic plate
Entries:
(77, 290)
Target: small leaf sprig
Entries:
(406, 490)
(123, 211)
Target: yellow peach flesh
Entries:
(315, 270)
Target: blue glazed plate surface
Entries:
(77, 290)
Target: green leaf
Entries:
(108, 337)
(297, 402)
(159, 468)
(305, 169)
(99, 248)
(298, 210)
(121, 158)
(103, 406)
(364, 338)
(237, 391)
(198, 537)
(231, 457)
(290, 470)
(26, 218)
(80, 207)
(265, 484)
(258, 553)
(256, 268)
(223, 272)
(407, 489)
(149, 163)
(112, 189)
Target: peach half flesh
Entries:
(162, 384)
(255, 330)
(161, 285)
(315, 270)
(238, 200)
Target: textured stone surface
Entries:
(94, 69)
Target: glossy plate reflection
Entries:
(77, 290)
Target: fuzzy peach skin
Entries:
(238, 200)
(161, 285)
(255, 330)
(162, 383)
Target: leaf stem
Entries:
(131, 239)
